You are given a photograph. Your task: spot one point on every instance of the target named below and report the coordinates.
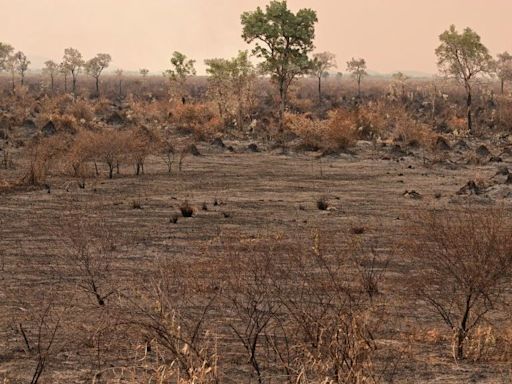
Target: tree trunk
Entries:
(502, 86)
(468, 104)
(320, 89)
(22, 78)
(51, 82)
(74, 85)
(98, 87)
(65, 84)
(282, 104)
(359, 86)
(463, 329)
(461, 335)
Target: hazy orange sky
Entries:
(391, 34)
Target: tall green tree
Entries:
(95, 66)
(504, 69)
(357, 67)
(463, 57)
(182, 68)
(283, 40)
(321, 63)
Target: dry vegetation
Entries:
(148, 240)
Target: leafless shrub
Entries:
(90, 247)
(183, 346)
(42, 152)
(463, 261)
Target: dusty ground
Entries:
(258, 193)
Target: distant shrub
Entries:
(322, 203)
(199, 120)
(186, 209)
(337, 132)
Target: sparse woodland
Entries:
(270, 222)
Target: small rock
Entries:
(462, 145)
(482, 151)
(192, 149)
(503, 171)
(442, 144)
(412, 194)
(49, 129)
(217, 142)
(253, 147)
(471, 188)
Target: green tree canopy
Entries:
(182, 67)
(283, 40)
(463, 57)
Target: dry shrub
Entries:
(504, 114)
(462, 263)
(172, 315)
(296, 314)
(82, 110)
(401, 126)
(42, 154)
(458, 125)
(338, 132)
(110, 147)
(197, 119)
(342, 129)
(372, 120)
(434, 336)
(81, 151)
(141, 143)
(307, 129)
(148, 112)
